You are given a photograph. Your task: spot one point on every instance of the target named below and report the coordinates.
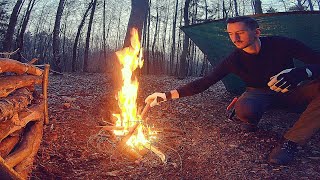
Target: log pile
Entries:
(23, 111)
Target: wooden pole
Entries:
(45, 82)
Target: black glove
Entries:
(289, 79)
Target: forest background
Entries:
(82, 35)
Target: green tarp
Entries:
(212, 39)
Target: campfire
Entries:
(133, 134)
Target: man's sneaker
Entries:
(283, 153)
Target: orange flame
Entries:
(130, 58)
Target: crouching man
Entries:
(265, 64)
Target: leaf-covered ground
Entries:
(206, 146)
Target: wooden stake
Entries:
(45, 82)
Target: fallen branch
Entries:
(8, 144)
(24, 168)
(33, 61)
(8, 54)
(10, 65)
(11, 83)
(17, 101)
(8, 173)
(18, 121)
(26, 146)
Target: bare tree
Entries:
(236, 7)
(55, 38)
(137, 16)
(104, 32)
(154, 42)
(24, 26)
(76, 41)
(183, 70)
(257, 6)
(147, 58)
(173, 46)
(284, 4)
(310, 5)
(86, 50)
(4, 15)
(7, 43)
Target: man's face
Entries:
(242, 36)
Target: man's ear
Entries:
(258, 32)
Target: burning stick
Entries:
(112, 128)
(157, 152)
(121, 146)
(145, 110)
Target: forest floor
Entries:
(210, 147)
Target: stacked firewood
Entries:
(23, 111)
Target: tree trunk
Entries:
(310, 5)
(148, 39)
(24, 26)
(86, 50)
(118, 29)
(224, 11)
(173, 46)
(155, 60)
(236, 7)
(104, 35)
(137, 16)
(164, 42)
(257, 6)
(76, 41)
(55, 38)
(7, 43)
(183, 57)
(176, 71)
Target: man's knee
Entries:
(248, 111)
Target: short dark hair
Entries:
(248, 21)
